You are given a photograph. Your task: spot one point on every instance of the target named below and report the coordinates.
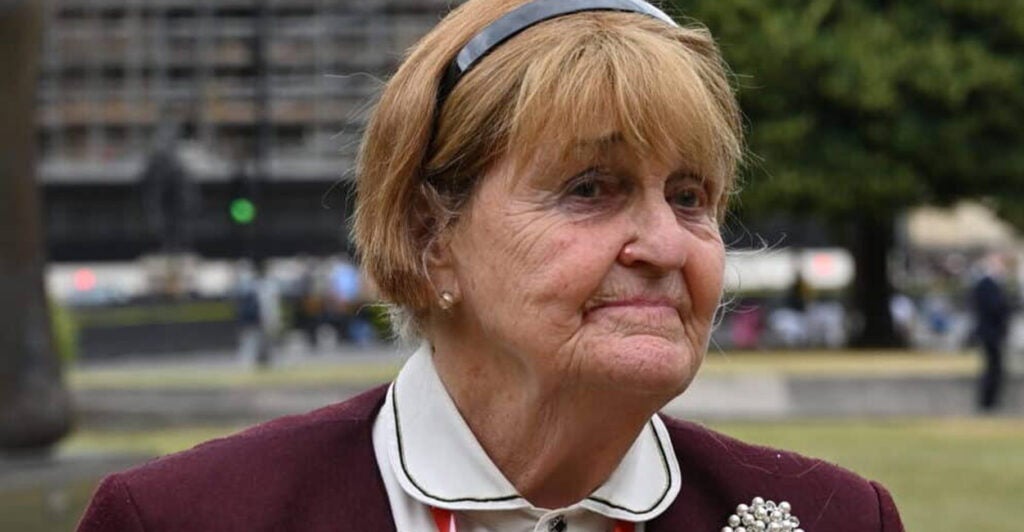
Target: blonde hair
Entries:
(662, 90)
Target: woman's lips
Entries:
(636, 302)
(638, 306)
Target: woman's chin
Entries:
(648, 365)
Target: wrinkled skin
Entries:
(601, 272)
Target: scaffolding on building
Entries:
(222, 73)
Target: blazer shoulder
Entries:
(693, 440)
(112, 508)
(338, 424)
(825, 496)
(294, 465)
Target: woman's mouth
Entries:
(642, 308)
(636, 302)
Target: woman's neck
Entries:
(555, 442)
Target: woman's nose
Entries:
(658, 241)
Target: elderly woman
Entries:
(540, 190)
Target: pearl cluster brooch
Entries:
(761, 516)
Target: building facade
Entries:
(271, 94)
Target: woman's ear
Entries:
(431, 230)
(440, 264)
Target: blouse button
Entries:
(557, 524)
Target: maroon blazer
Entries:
(317, 471)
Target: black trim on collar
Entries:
(408, 475)
(401, 459)
(668, 483)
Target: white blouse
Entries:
(428, 457)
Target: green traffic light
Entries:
(243, 211)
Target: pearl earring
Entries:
(446, 301)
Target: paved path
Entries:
(215, 388)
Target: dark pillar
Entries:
(34, 406)
(872, 287)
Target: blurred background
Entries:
(176, 184)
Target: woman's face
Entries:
(605, 271)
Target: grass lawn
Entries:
(946, 475)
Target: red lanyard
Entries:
(445, 521)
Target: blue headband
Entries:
(522, 18)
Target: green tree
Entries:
(861, 108)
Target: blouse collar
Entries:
(439, 461)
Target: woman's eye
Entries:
(586, 189)
(690, 198)
(592, 184)
(593, 191)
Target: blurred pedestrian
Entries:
(798, 294)
(259, 318)
(789, 323)
(342, 296)
(904, 315)
(992, 318)
(347, 303)
(309, 307)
